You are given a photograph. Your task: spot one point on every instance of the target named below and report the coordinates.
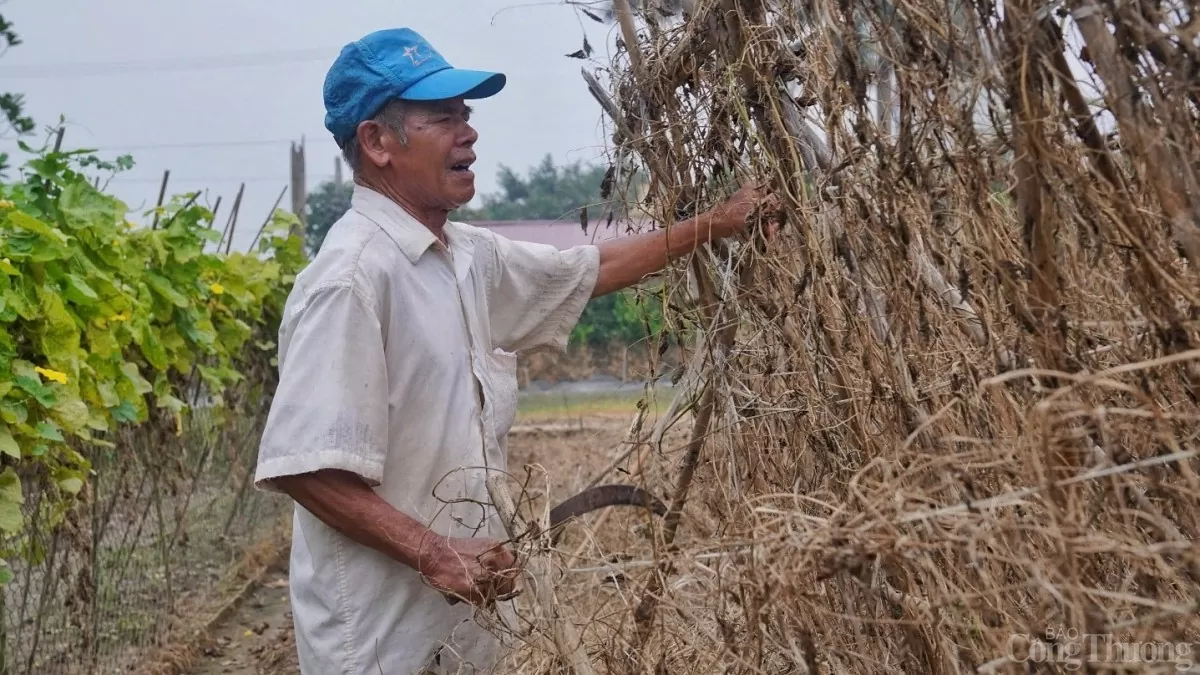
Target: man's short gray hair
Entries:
(391, 116)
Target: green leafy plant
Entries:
(624, 317)
(104, 324)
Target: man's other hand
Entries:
(480, 571)
(477, 570)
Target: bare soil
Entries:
(257, 639)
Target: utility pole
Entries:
(299, 187)
(337, 171)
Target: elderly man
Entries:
(397, 377)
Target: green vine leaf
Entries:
(72, 415)
(125, 413)
(11, 499)
(49, 431)
(8, 444)
(140, 384)
(34, 387)
(79, 292)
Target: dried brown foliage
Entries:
(952, 410)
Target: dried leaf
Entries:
(606, 184)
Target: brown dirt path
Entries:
(257, 639)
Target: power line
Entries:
(211, 144)
(199, 179)
(321, 139)
(178, 64)
(205, 179)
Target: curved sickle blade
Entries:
(602, 496)
(594, 499)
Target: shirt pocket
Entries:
(502, 371)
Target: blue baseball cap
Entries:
(396, 63)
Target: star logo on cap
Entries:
(413, 55)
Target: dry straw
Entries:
(947, 422)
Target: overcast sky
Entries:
(236, 81)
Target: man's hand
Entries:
(480, 571)
(625, 261)
(733, 216)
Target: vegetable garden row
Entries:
(136, 365)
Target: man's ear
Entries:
(372, 139)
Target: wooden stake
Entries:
(215, 210)
(58, 139)
(1027, 82)
(629, 33)
(231, 224)
(162, 194)
(1138, 134)
(299, 187)
(268, 219)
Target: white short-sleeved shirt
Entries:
(397, 362)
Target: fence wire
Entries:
(165, 517)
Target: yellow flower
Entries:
(216, 288)
(58, 377)
(123, 316)
(7, 204)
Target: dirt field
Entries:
(571, 438)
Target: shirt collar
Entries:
(410, 235)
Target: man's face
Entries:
(434, 165)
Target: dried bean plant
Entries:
(946, 422)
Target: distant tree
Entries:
(324, 206)
(12, 117)
(547, 192)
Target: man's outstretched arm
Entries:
(625, 261)
(469, 569)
